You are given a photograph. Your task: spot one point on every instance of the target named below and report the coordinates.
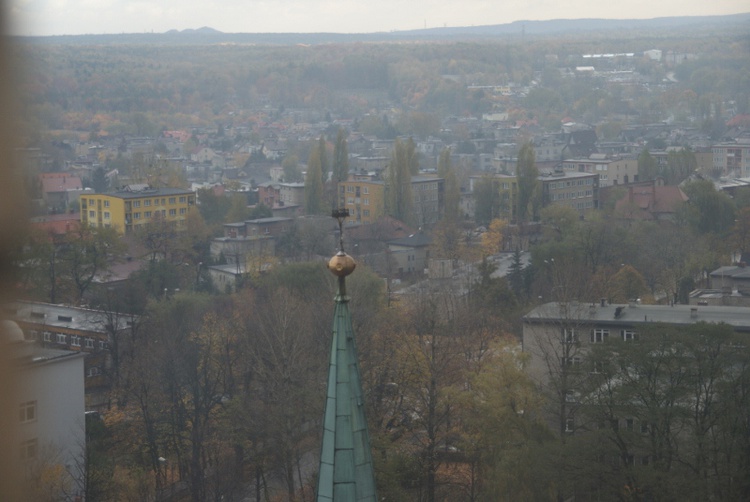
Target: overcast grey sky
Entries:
(73, 17)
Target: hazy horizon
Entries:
(102, 17)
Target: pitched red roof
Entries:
(57, 224)
(59, 182)
(649, 201)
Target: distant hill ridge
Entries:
(500, 31)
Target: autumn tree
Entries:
(314, 185)
(452, 194)
(238, 209)
(647, 168)
(527, 174)
(399, 198)
(487, 201)
(710, 211)
(669, 402)
(741, 231)
(340, 158)
(492, 239)
(500, 434)
(290, 164)
(62, 268)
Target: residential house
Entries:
(549, 149)
(506, 186)
(611, 170)
(57, 224)
(237, 249)
(51, 409)
(269, 194)
(59, 190)
(428, 193)
(577, 190)
(731, 278)
(364, 198)
(368, 163)
(249, 238)
(273, 150)
(558, 336)
(292, 194)
(90, 332)
(203, 155)
(273, 226)
(410, 254)
(732, 159)
(647, 200)
(128, 209)
(718, 297)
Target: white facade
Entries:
(51, 413)
(732, 159)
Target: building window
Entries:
(599, 335)
(75, 340)
(366, 212)
(570, 335)
(89, 343)
(569, 425)
(147, 202)
(644, 427)
(27, 412)
(61, 338)
(172, 200)
(136, 216)
(93, 371)
(103, 345)
(366, 190)
(628, 335)
(106, 215)
(47, 336)
(156, 202)
(106, 203)
(629, 424)
(92, 214)
(147, 214)
(183, 210)
(136, 203)
(366, 202)
(29, 449)
(183, 199)
(571, 362)
(172, 212)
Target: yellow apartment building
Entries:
(364, 198)
(127, 209)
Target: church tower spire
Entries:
(346, 471)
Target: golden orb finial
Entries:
(341, 264)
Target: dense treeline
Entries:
(92, 88)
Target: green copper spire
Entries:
(346, 473)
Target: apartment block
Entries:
(128, 209)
